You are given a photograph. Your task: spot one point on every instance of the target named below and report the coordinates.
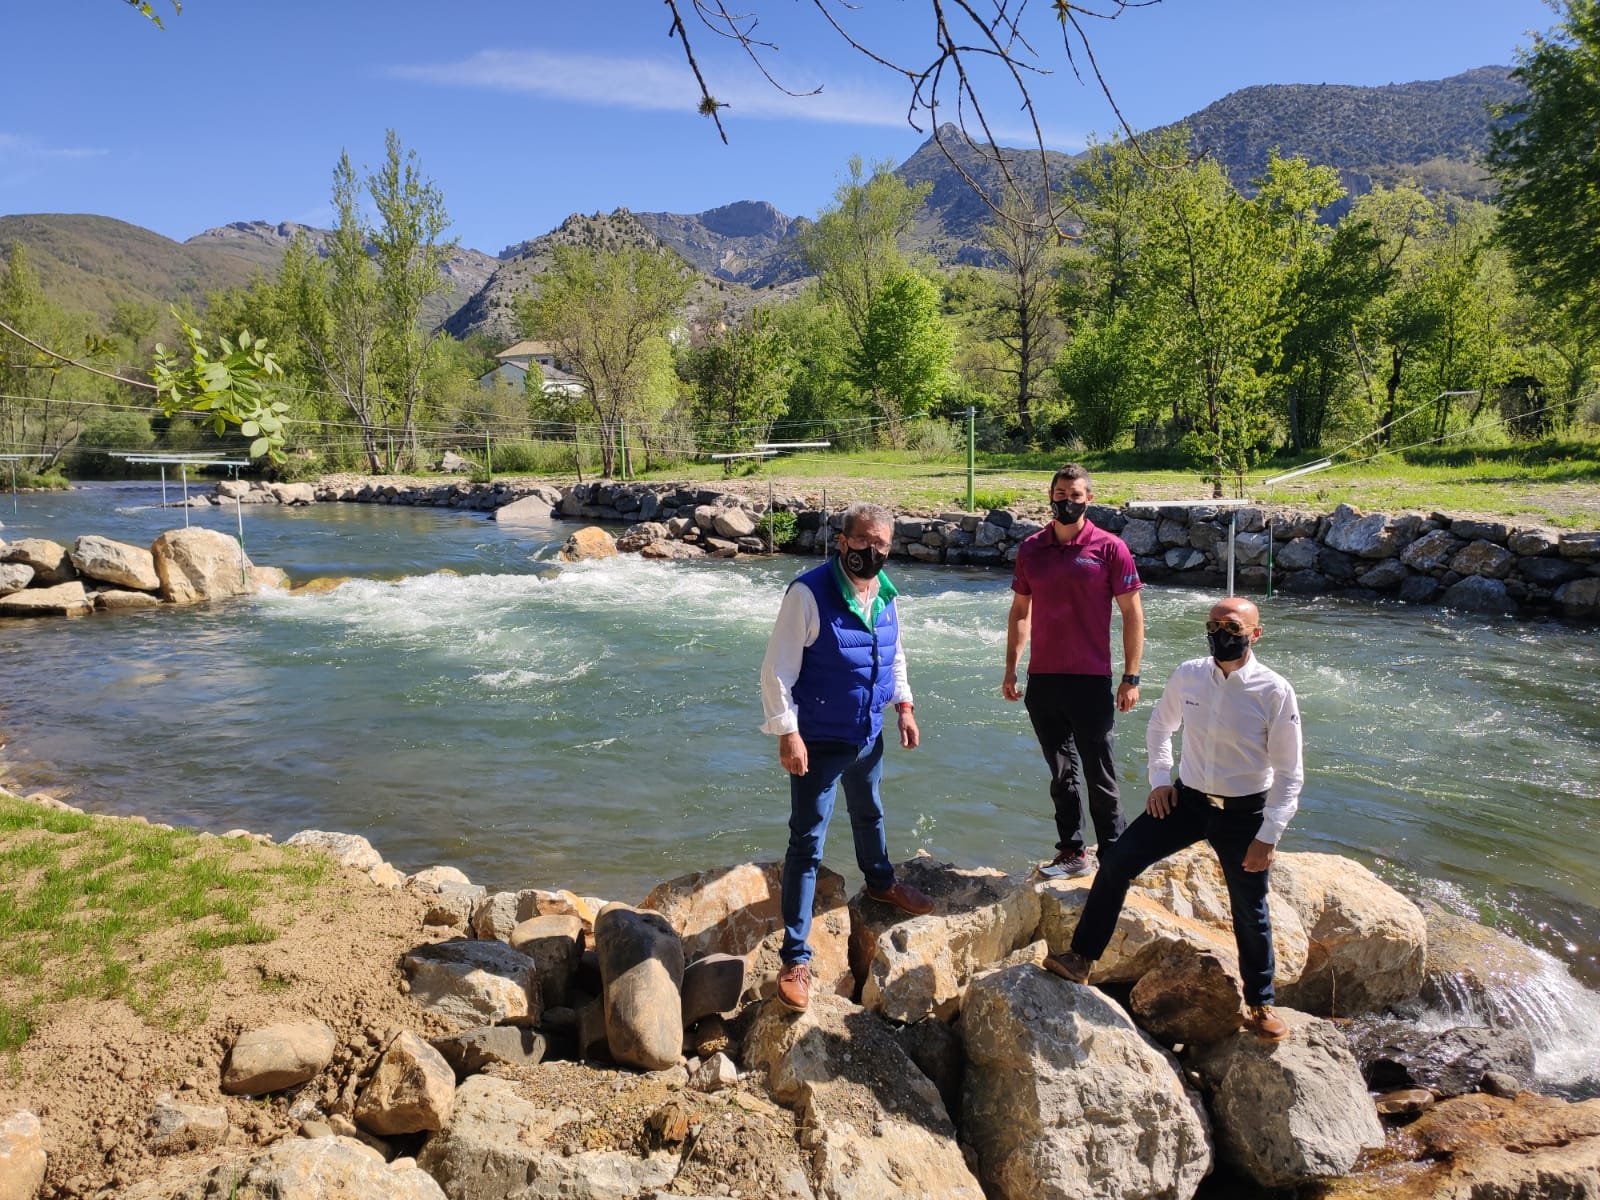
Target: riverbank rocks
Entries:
(1487, 1146)
(14, 576)
(411, 1090)
(1065, 1098)
(875, 1125)
(176, 1127)
(276, 1057)
(589, 542)
(22, 1156)
(501, 1141)
(61, 600)
(735, 910)
(300, 1169)
(1368, 943)
(555, 943)
(916, 967)
(470, 1052)
(472, 982)
(1448, 1062)
(1192, 996)
(48, 560)
(641, 969)
(118, 563)
(349, 850)
(198, 564)
(1291, 1111)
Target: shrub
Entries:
(777, 529)
(999, 498)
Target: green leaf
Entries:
(249, 429)
(259, 447)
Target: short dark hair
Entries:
(1071, 472)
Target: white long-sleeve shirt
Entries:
(1241, 735)
(797, 627)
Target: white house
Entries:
(518, 360)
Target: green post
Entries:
(971, 457)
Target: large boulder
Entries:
(1065, 1099)
(1291, 1111)
(474, 983)
(641, 970)
(300, 1169)
(555, 943)
(916, 967)
(1374, 535)
(528, 510)
(1482, 1147)
(502, 1142)
(1194, 996)
(22, 1156)
(14, 577)
(275, 1057)
(115, 562)
(61, 600)
(1368, 942)
(875, 1124)
(411, 1090)
(734, 910)
(1448, 1062)
(198, 564)
(349, 850)
(589, 542)
(50, 562)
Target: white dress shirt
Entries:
(1241, 735)
(797, 627)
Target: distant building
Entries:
(518, 360)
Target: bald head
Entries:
(1237, 608)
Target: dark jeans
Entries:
(1072, 716)
(811, 797)
(1150, 839)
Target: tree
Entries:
(608, 314)
(1024, 323)
(853, 247)
(358, 313)
(904, 359)
(740, 375)
(1546, 158)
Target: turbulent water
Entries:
(468, 700)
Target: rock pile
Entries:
(936, 1059)
(39, 577)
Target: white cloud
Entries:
(654, 85)
(17, 148)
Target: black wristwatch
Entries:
(1132, 680)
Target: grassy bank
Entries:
(103, 909)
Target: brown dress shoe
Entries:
(1266, 1024)
(1070, 966)
(794, 987)
(904, 897)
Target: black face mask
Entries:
(1226, 647)
(1068, 512)
(864, 564)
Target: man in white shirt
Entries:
(1237, 788)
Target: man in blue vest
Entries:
(833, 664)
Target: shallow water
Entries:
(595, 725)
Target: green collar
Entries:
(886, 593)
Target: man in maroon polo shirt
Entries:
(1066, 577)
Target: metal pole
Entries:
(824, 522)
(13, 487)
(184, 471)
(1269, 557)
(163, 485)
(238, 504)
(971, 457)
(488, 459)
(1233, 528)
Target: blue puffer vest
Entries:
(847, 674)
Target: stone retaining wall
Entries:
(1432, 558)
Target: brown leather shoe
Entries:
(1266, 1024)
(1070, 966)
(794, 987)
(904, 897)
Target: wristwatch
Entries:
(1132, 680)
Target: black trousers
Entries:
(1072, 716)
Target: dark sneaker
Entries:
(1070, 966)
(1266, 1024)
(1067, 864)
(904, 897)
(794, 987)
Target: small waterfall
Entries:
(1553, 1010)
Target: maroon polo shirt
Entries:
(1072, 586)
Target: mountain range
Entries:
(1431, 132)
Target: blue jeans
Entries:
(1150, 839)
(811, 797)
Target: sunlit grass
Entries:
(87, 905)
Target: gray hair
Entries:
(863, 513)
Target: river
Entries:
(466, 699)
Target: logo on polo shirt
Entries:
(1084, 560)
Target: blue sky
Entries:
(525, 112)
